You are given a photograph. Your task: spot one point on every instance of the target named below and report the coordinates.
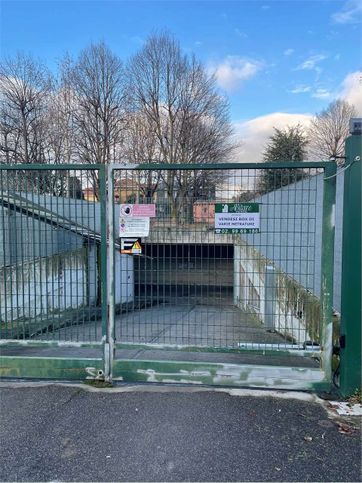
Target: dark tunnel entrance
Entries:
(185, 274)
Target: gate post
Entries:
(350, 340)
(109, 334)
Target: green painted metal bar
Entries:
(351, 313)
(224, 166)
(232, 375)
(327, 268)
(221, 350)
(5, 343)
(50, 368)
(49, 167)
(152, 166)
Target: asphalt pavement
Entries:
(54, 432)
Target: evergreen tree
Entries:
(287, 144)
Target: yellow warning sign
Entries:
(136, 247)
(131, 246)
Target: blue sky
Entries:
(270, 57)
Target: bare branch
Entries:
(176, 115)
(329, 129)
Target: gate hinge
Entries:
(342, 341)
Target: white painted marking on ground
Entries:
(346, 409)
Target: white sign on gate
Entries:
(134, 226)
(131, 225)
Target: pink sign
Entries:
(144, 210)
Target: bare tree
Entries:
(25, 86)
(182, 112)
(61, 135)
(96, 81)
(140, 147)
(329, 129)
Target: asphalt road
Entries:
(150, 433)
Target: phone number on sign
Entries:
(235, 231)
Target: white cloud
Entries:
(254, 134)
(233, 70)
(240, 34)
(349, 14)
(288, 52)
(300, 89)
(322, 94)
(351, 90)
(311, 63)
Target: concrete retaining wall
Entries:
(281, 303)
(44, 285)
(291, 232)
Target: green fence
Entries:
(168, 273)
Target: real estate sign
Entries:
(237, 218)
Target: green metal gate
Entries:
(52, 270)
(212, 305)
(185, 274)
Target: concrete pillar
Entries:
(237, 288)
(270, 298)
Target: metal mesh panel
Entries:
(192, 286)
(50, 284)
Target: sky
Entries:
(278, 62)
